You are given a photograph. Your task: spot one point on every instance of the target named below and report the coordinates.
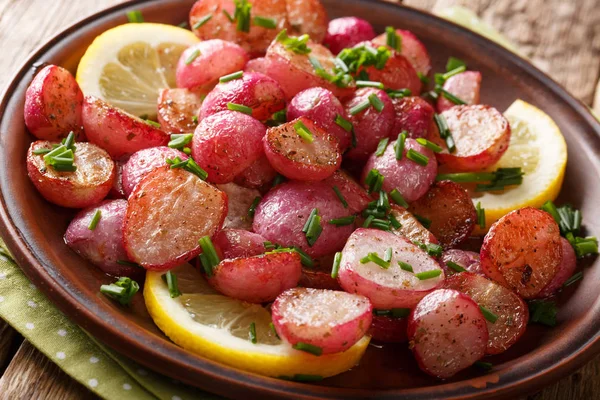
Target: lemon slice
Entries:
(218, 327)
(539, 148)
(129, 64)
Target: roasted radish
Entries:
(465, 86)
(240, 205)
(567, 266)
(389, 329)
(177, 109)
(307, 17)
(455, 260)
(257, 175)
(237, 243)
(410, 227)
(413, 116)
(411, 48)
(346, 32)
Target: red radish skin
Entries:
(319, 275)
(412, 48)
(295, 158)
(257, 175)
(53, 103)
(346, 32)
(566, 269)
(469, 260)
(331, 320)
(239, 201)
(215, 58)
(238, 243)
(450, 209)
(447, 333)
(219, 26)
(413, 115)
(226, 143)
(322, 107)
(481, 135)
(409, 178)
(177, 109)
(370, 126)
(411, 228)
(117, 192)
(465, 86)
(257, 65)
(116, 131)
(307, 17)
(354, 194)
(169, 210)
(295, 72)
(283, 211)
(523, 251)
(257, 279)
(85, 187)
(255, 90)
(511, 310)
(143, 162)
(389, 330)
(386, 288)
(102, 246)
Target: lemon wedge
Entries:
(218, 327)
(129, 64)
(539, 148)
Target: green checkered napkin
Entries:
(106, 373)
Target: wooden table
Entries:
(561, 37)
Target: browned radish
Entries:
(257, 279)
(465, 86)
(86, 186)
(168, 212)
(324, 321)
(311, 157)
(410, 227)
(400, 282)
(523, 251)
(240, 199)
(177, 109)
(53, 104)
(450, 209)
(413, 115)
(319, 275)
(447, 333)
(307, 17)
(116, 131)
(511, 311)
(481, 135)
(236, 243)
(389, 330)
(567, 266)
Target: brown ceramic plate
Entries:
(33, 230)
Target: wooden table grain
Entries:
(560, 37)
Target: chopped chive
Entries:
(376, 102)
(483, 365)
(453, 98)
(303, 131)
(178, 140)
(340, 196)
(454, 63)
(502, 177)
(365, 260)
(374, 180)
(135, 16)
(313, 212)
(417, 157)
(374, 257)
(455, 266)
(381, 224)
(343, 123)
(312, 228)
(394, 222)
(183, 25)
(202, 21)
(583, 246)
(253, 206)
(278, 118)
(128, 263)
(209, 257)
(423, 78)
(467, 177)
(382, 146)
(205, 265)
(272, 326)
(398, 93)
(574, 278)
(337, 260)
(278, 180)
(269, 23)
(399, 145)
(195, 169)
(383, 202)
(363, 84)
(229, 17)
(308, 348)
(480, 215)
(195, 119)
(368, 221)
(41, 151)
(230, 77)
(95, 220)
(252, 333)
(242, 15)
(296, 44)
(187, 150)
(171, 280)
(65, 168)
(430, 145)
(543, 312)
(444, 130)
(239, 107)
(269, 245)
(490, 316)
(428, 274)
(122, 290)
(393, 39)
(398, 199)
(453, 72)
(405, 266)
(69, 141)
(315, 63)
(434, 250)
(360, 107)
(193, 55)
(387, 256)
(349, 220)
(304, 257)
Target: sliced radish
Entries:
(567, 266)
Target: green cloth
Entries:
(109, 375)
